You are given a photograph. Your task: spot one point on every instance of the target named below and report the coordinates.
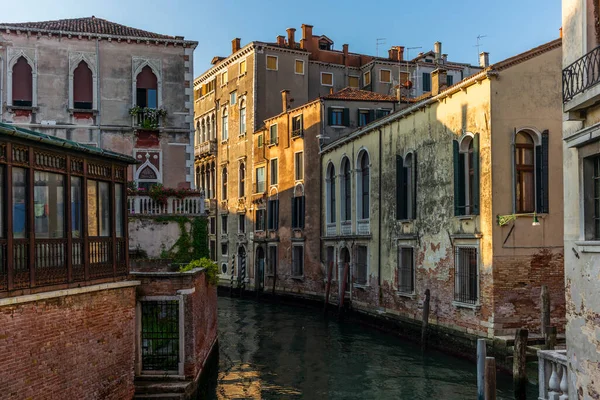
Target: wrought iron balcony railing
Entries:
(581, 75)
(298, 133)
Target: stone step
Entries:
(160, 396)
(158, 387)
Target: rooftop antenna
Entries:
(478, 45)
(408, 49)
(378, 42)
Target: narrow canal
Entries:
(272, 351)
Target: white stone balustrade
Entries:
(363, 227)
(331, 229)
(553, 375)
(145, 205)
(346, 227)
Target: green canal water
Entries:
(269, 351)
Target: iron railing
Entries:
(148, 118)
(298, 133)
(581, 75)
(466, 279)
(160, 335)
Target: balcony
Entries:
(363, 227)
(553, 375)
(210, 205)
(346, 228)
(297, 133)
(205, 149)
(145, 205)
(331, 229)
(147, 118)
(579, 81)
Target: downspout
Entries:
(98, 114)
(379, 217)
(321, 230)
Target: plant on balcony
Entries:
(160, 194)
(210, 268)
(147, 118)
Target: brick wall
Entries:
(69, 347)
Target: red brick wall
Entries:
(69, 347)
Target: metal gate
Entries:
(160, 335)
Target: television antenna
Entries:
(408, 49)
(478, 45)
(378, 41)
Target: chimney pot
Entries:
(235, 45)
(484, 59)
(437, 49)
(439, 81)
(281, 40)
(291, 39)
(400, 53)
(284, 99)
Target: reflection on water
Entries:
(279, 352)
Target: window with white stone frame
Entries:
(406, 270)
(297, 260)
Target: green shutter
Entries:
(329, 116)
(457, 177)
(414, 188)
(371, 116)
(399, 184)
(346, 117)
(541, 175)
(475, 187)
(276, 215)
(302, 211)
(294, 215)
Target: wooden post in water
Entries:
(232, 275)
(328, 287)
(274, 277)
(481, 355)
(490, 378)
(425, 318)
(343, 286)
(545, 309)
(550, 337)
(519, 362)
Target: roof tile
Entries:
(359, 95)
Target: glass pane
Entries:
(76, 207)
(48, 205)
(528, 192)
(104, 208)
(19, 177)
(92, 200)
(152, 98)
(119, 209)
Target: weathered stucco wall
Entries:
(152, 236)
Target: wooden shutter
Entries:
(541, 175)
(329, 116)
(475, 187)
(400, 203)
(346, 117)
(371, 116)
(414, 185)
(294, 213)
(457, 178)
(276, 214)
(302, 211)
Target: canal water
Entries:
(269, 351)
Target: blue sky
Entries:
(511, 26)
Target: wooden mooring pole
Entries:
(550, 337)
(490, 378)
(519, 364)
(328, 287)
(481, 355)
(545, 309)
(343, 287)
(425, 318)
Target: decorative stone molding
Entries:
(137, 64)
(14, 53)
(75, 57)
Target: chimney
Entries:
(445, 58)
(439, 81)
(235, 45)
(284, 99)
(345, 50)
(437, 49)
(280, 40)
(400, 53)
(306, 42)
(330, 90)
(291, 40)
(393, 54)
(560, 32)
(484, 59)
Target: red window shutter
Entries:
(82, 84)
(22, 88)
(146, 79)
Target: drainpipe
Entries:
(98, 114)
(379, 217)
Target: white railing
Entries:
(331, 229)
(363, 227)
(145, 205)
(208, 147)
(553, 375)
(346, 227)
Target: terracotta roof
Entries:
(88, 25)
(358, 95)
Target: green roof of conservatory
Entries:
(27, 134)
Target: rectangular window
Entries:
(232, 97)
(273, 215)
(224, 78)
(382, 112)
(224, 250)
(241, 223)
(76, 207)
(326, 79)
(274, 172)
(119, 209)
(361, 265)
(297, 126)
(273, 134)
(449, 80)
(404, 77)
(367, 78)
(260, 180)
(260, 220)
(406, 270)
(243, 67)
(212, 223)
(48, 205)
(272, 63)
(591, 188)
(213, 250)
(98, 208)
(224, 224)
(353, 82)
(260, 139)
(385, 76)
(365, 116)
(298, 212)
(297, 261)
(299, 67)
(336, 117)
(272, 261)
(299, 166)
(19, 197)
(466, 279)
(426, 82)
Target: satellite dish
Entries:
(408, 85)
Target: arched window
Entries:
(213, 130)
(83, 87)
(242, 181)
(198, 177)
(198, 133)
(346, 190)
(224, 184)
(213, 180)
(22, 83)
(524, 170)
(203, 131)
(209, 188)
(242, 117)
(203, 180)
(147, 89)
(224, 128)
(208, 129)
(331, 207)
(362, 189)
(466, 175)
